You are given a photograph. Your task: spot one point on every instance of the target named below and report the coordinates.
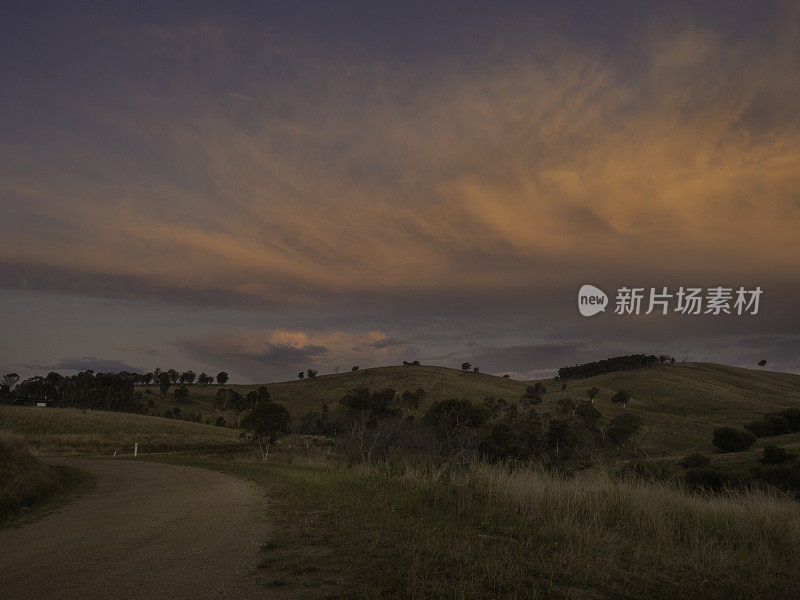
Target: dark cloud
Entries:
(98, 365)
(387, 342)
(250, 363)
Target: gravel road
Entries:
(146, 530)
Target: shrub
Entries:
(621, 397)
(730, 439)
(775, 455)
(778, 424)
(695, 461)
(784, 476)
(792, 415)
(716, 478)
(759, 428)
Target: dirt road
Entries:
(147, 530)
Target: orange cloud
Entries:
(352, 177)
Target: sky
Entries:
(265, 187)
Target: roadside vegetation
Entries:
(491, 531)
(29, 487)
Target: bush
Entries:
(784, 476)
(775, 455)
(716, 478)
(792, 415)
(622, 428)
(695, 461)
(730, 439)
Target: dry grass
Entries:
(495, 533)
(58, 432)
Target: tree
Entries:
(622, 428)
(533, 394)
(223, 396)
(355, 368)
(10, 379)
(174, 376)
(465, 366)
(301, 375)
(506, 376)
(312, 373)
(188, 377)
(621, 397)
(204, 379)
(222, 378)
(238, 404)
(475, 370)
(762, 363)
(181, 393)
(592, 393)
(163, 383)
(730, 439)
(588, 413)
(267, 420)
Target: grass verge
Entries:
(28, 487)
(495, 533)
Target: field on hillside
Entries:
(488, 532)
(60, 431)
(680, 404)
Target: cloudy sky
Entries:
(263, 187)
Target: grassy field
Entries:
(58, 432)
(494, 533)
(28, 487)
(680, 404)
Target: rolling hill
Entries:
(680, 404)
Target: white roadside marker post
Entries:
(135, 449)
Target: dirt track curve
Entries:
(146, 530)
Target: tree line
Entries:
(375, 425)
(614, 364)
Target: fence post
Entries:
(135, 449)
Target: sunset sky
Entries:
(263, 187)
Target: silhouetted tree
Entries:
(312, 373)
(267, 420)
(163, 384)
(465, 366)
(762, 363)
(181, 393)
(301, 375)
(222, 378)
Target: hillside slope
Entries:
(300, 396)
(682, 404)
